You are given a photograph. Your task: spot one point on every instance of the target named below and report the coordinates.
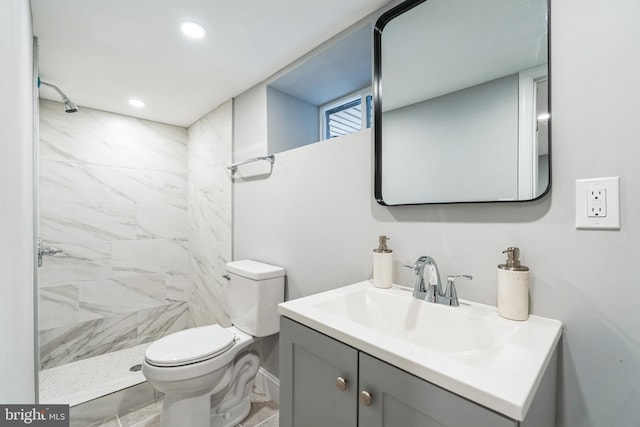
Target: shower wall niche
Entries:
(113, 197)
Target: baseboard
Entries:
(268, 385)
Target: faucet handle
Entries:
(451, 278)
(450, 294)
(418, 267)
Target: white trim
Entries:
(527, 148)
(362, 94)
(268, 385)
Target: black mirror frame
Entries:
(377, 106)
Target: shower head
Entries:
(69, 106)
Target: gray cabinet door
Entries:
(400, 399)
(310, 364)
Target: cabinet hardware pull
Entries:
(341, 384)
(366, 398)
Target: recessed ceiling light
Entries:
(193, 30)
(136, 103)
(544, 116)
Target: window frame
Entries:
(361, 97)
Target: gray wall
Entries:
(250, 124)
(291, 122)
(315, 215)
(17, 354)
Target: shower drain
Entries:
(136, 368)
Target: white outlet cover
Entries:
(612, 219)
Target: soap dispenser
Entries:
(513, 287)
(382, 264)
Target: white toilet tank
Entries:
(255, 290)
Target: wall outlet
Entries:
(598, 203)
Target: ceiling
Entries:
(102, 53)
(341, 68)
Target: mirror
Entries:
(461, 98)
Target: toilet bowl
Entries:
(206, 373)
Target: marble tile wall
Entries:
(113, 197)
(209, 215)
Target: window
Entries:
(346, 115)
(335, 73)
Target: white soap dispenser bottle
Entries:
(382, 264)
(513, 287)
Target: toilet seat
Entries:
(190, 346)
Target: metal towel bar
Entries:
(234, 167)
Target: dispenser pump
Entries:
(382, 264)
(513, 287)
(382, 246)
(513, 260)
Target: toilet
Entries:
(206, 373)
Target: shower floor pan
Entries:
(99, 387)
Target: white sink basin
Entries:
(432, 326)
(469, 350)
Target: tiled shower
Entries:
(142, 212)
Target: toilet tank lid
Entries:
(254, 270)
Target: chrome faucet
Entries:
(433, 292)
(450, 296)
(421, 291)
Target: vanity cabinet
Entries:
(401, 399)
(312, 393)
(310, 367)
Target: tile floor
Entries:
(264, 413)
